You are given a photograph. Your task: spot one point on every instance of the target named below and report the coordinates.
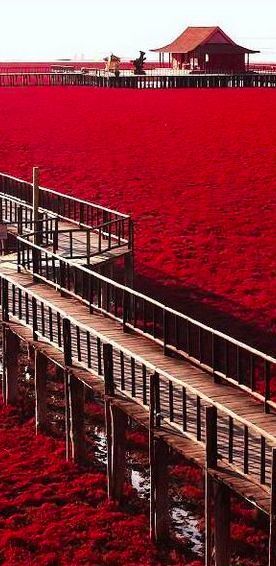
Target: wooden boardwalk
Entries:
(173, 375)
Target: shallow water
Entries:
(183, 520)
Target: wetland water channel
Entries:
(185, 522)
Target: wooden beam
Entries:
(41, 421)
(10, 370)
(272, 518)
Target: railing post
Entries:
(35, 321)
(36, 203)
(267, 386)
(67, 342)
(5, 299)
(126, 302)
(108, 370)
(129, 270)
(35, 253)
(165, 332)
(19, 220)
(55, 236)
(88, 246)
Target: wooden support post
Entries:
(211, 462)
(11, 343)
(68, 446)
(119, 422)
(161, 524)
(75, 411)
(272, 518)
(108, 432)
(158, 460)
(222, 524)
(40, 392)
(109, 393)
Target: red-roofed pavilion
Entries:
(208, 49)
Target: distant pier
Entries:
(148, 81)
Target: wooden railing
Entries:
(167, 398)
(219, 354)
(69, 208)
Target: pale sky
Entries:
(91, 29)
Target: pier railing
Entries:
(65, 206)
(148, 81)
(110, 224)
(167, 399)
(222, 356)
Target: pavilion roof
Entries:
(194, 37)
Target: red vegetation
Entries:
(54, 513)
(196, 168)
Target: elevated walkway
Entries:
(195, 389)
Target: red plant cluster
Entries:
(195, 168)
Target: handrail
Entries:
(164, 407)
(58, 194)
(137, 294)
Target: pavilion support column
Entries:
(41, 420)
(272, 518)
(11, 346)
(222, 524)
(159, 514)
